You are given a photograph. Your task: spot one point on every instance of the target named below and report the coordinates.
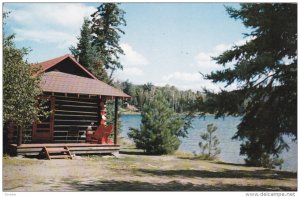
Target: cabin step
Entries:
(56, 150)
(56, 153)
(60, 157)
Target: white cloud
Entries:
(204, 59)
(45, 15)
(205, 63)
(185, 80)
(132, 57)
(57, 23)
(243, 41)
(193, 81)
(62, 39)
(132, 71)
(133, 63)
(221, 48)
(191, 77)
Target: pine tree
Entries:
(106, 32)
(160, 127)
(86, 53)
(210, 143)
(83, 51)
(265, 68)
(98, 69)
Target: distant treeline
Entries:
(181, 101)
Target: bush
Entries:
(160, 128)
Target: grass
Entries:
(184, 155)
(135, 171)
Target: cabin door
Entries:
(43, 131)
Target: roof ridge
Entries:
(63, 57)
(52, 62)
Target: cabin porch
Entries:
(75, 148)
(76, 100)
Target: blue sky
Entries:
(165, 43)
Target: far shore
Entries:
(194, 115)
(130, 113)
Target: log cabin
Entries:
(76, 99)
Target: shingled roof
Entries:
(62, 82)
(46, 65)
(67, 83)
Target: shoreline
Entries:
(130, 113)
(195, 115)
(128, 145)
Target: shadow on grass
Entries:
(134, 151)
(285, 173)
(40, 156)
(113, 185)
(130, 152)
(230, 164)
(258, 174)
(195, 158)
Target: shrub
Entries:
(160, 127)
(210, 143)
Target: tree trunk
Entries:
(20, 136)
(111, 74)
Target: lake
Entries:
(226, 129)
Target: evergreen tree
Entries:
(265, 68)
(210, 143)
(83, 51)
(20, 88)
(127, 87)
(160, 128)
(98, 69)
(106, 32)
(86, 53)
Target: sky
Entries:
(164, 43)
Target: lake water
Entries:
(226, 129)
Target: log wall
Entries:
(72, 115)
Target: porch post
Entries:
(116, 121)
(102, 110)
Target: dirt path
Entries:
(139, 173)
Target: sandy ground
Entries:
(139, 173)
